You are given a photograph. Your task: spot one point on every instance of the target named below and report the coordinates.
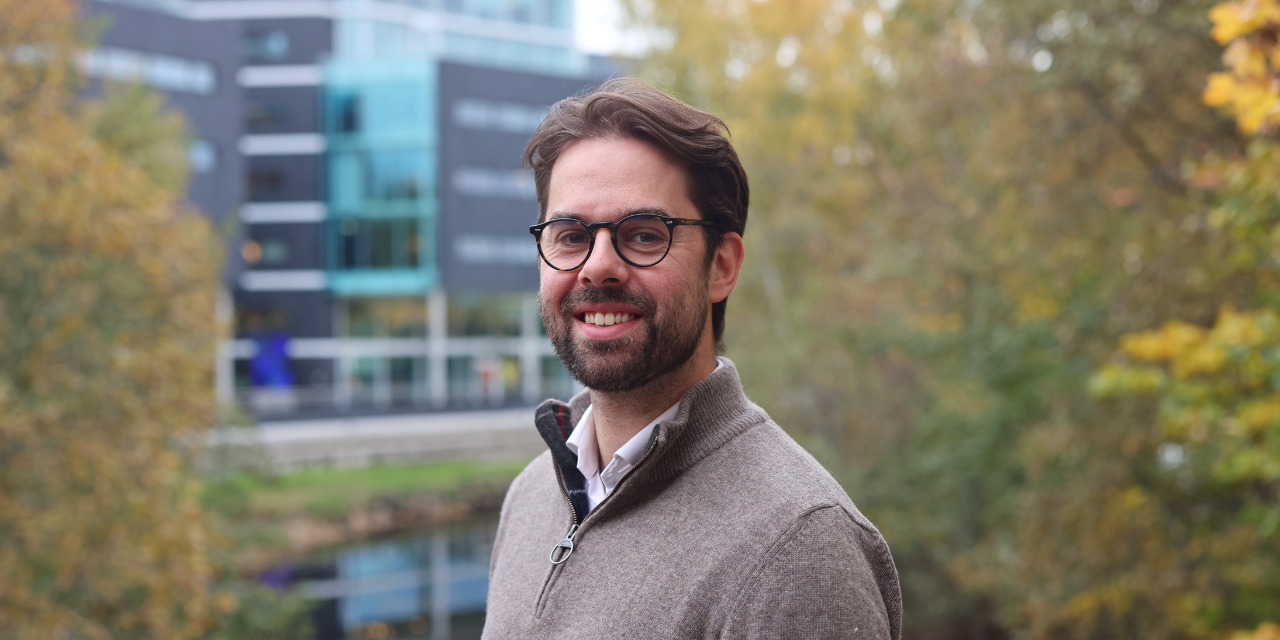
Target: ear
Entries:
(725, 266)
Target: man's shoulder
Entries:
(532, 477)
(778, 479)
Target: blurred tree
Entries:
(107, 286)
(959, 208)
(1214, 481)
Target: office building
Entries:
(370, 151)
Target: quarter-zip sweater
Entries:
(725, 528)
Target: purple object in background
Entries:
(270, 367)
(278, 577)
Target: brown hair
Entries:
(629, 108)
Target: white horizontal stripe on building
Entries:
(495, 250)
(281, 75)
(168, 73)
(494, 115)
(298, 280)
(282, 212)
(495, 183)
(282, 144)
(328, 348)
(251, 9)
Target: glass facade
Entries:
(380, 126)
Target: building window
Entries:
(347, 113)
(274, 252)
(379, 176)
(556, 381)
(262, 115)
(202, 156)
(385, 317)
(475, 314)
(395, 175)
(263, 182)
(266, 46)
(377, 243)
(168, 73)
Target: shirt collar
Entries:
(582, 441)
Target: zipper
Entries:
(568, 541)
(566, 544)
(626, 475)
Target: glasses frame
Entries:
(592, 228)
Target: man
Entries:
(669, 505)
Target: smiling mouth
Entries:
(607, 319)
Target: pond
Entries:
(430, 585)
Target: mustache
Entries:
(592, 295)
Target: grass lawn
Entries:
(332, 492)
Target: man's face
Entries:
(660, 313)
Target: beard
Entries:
(667, 342)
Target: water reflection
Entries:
(432, 585)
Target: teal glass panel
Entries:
(377, 243)
(396, 175)
(345, 181)
(387, 282)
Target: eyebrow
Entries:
(560, 215)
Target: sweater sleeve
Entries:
(823, 579)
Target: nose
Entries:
(604, 267)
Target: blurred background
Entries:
(271, 342)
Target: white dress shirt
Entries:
(583, 443)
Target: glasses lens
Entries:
(644, 240)
(565, 243)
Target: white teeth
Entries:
(607, 319)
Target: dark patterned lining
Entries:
(555, 423)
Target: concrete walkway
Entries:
(364, 440)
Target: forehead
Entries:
(607, 178)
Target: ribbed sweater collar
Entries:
(711, 414)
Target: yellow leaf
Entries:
(1220, 89)
(1228, 21)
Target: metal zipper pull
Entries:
(566, 544)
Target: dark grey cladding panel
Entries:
(282, 110)
(287, 246)
(486, 198)
(306, 40)
(301, 314)
(283, 178)
(214, 117)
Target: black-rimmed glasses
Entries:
(641, 239)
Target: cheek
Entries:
(552, 287)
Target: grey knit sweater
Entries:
(726, 528)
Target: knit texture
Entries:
(725, 529)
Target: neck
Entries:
(619, 416)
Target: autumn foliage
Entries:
(107, 284)
(1019, 284)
